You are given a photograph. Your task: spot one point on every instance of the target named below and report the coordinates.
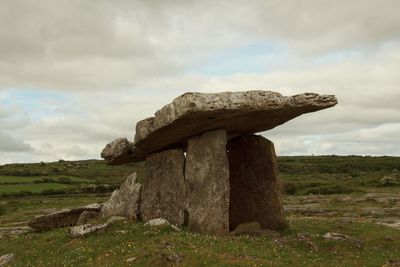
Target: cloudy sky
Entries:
(75, 74)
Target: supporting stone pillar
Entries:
(207, 183)
(164, 191)
(255, 191)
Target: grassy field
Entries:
(40, 179)
(345, 195)
(34, 188)
(302, 245)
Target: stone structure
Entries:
(205, 167)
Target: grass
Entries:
(34, 188)
(335, 185)
(31, 179)
(369, 245)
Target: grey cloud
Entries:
(11, 144)
(73, 45)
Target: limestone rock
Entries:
(86, 216)
(254, 186)
(335, 236)
(238, 112)
(158, 222)
(62, 218)
(164, 191)
(118, 151)
(207, 183)
(6, 259)
(14, 231)
(124, 201)
(86, 229)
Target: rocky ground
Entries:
(375, 207)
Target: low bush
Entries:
(328, 189)
(2, 210)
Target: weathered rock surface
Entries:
(335, 236)
(254, 186)
(124, 201)
(13, 231)
(207, 183)
(157, 222)
(6, 259)
(62, 218)
(86, 216)
(164, 191)
(86, 229)
(194, 113)
(118, 151)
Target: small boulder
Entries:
(335, 236)
(6, 259)
(86, 229)
(157, 222)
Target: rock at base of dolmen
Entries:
(124, 201)
(207, 183)
(164, 192)
(255, 190)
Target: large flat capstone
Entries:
(237, 112)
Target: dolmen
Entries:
(205, 167)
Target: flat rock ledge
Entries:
(194, 113)
(62, 218)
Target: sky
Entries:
(74, 75)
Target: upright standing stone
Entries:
(255, 191)
(207, 181)
(164, 191)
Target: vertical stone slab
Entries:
(207, 183)
(255, 190)
(164, 191)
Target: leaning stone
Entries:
(7, 259)
(86, 229)
(207, 183)
(124, 201)
(164, 192)
(254, 186)
(194, 113)
(62, 218)
(118, 151)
